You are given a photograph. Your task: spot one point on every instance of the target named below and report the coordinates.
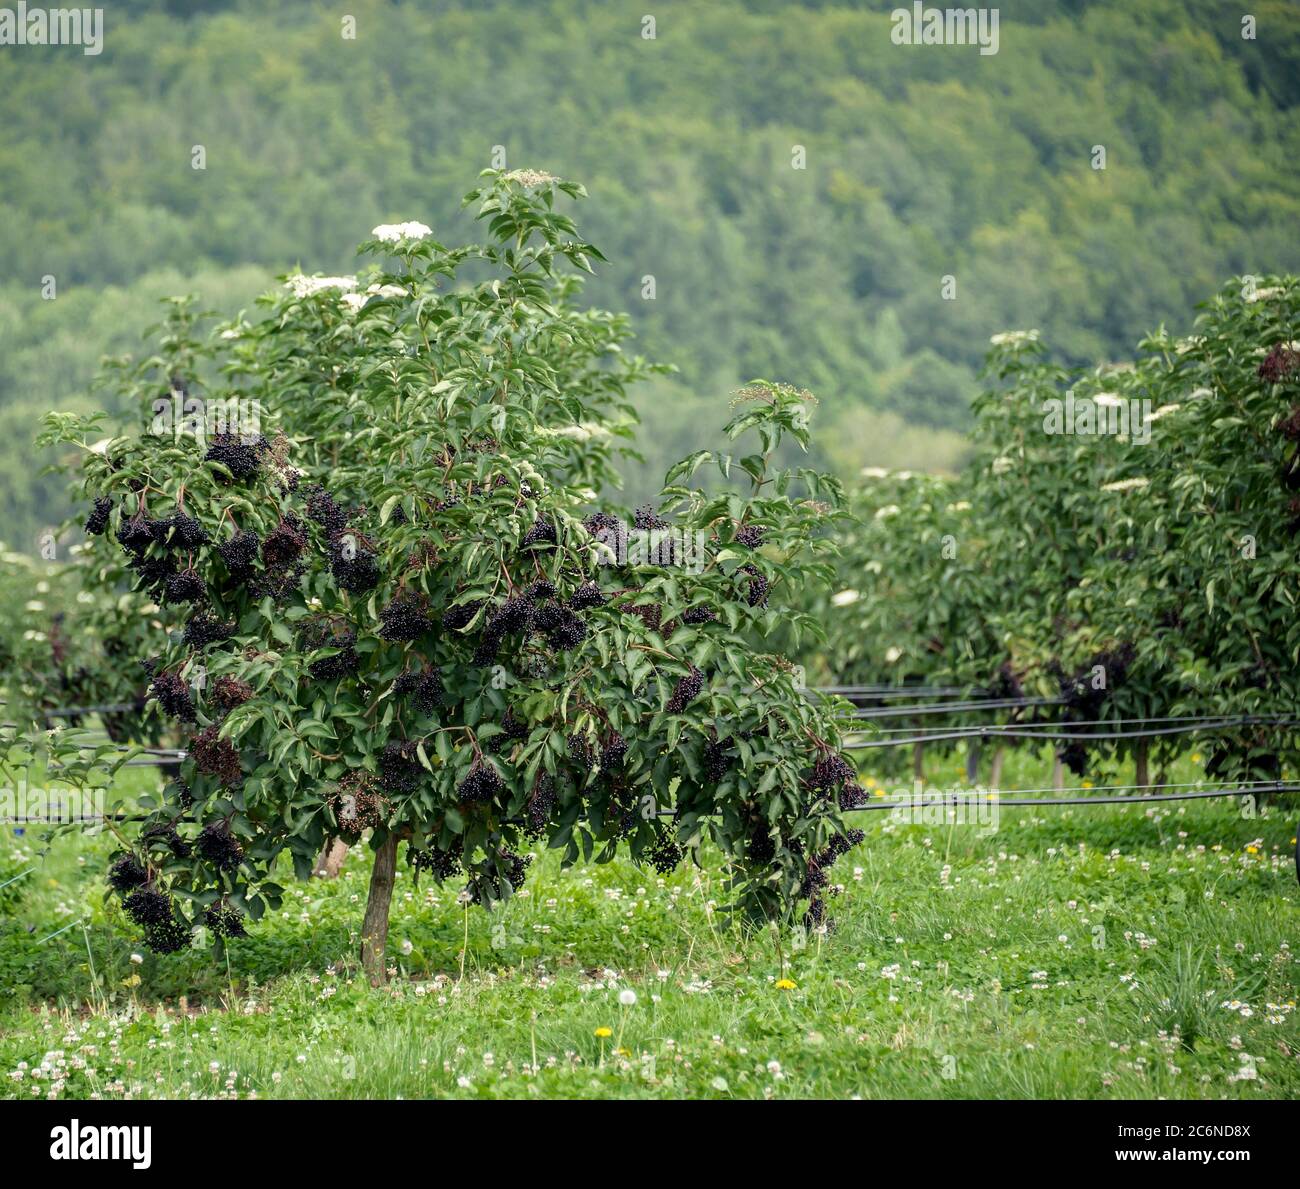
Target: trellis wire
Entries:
(1025, 731)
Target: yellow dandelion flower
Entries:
(604, 1032)
(1252, 850)
(785, 984)
(1196, 757)
(1087, 784)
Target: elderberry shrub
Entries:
(219, 847)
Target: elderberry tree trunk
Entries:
(1142, 762)
(331, 858)
(374, 929)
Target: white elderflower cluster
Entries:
(844, 597)
(1264, 294)
(1014, 338)
(305, 286)
(396, 233)
(530, 177)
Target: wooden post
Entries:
(374, 929)
(918, 762)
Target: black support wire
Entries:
(955, 707)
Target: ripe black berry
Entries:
(540, 807)
(829, 772)
(581, 753)
(717, 759)
(685, 691)
(167, 937)
(699, 614)
(324, 511)
(613, 751)
(356, 574)
(853, 796)
(750, 535)
(186, 531)
(665, 854)
(358, 805)
(646, 519)
(540, 591)
(97, 521)
(135, 535)
(164, 833)
(563, 629)
(512, 731)
(441, 864)
(756, 595)
(216, 844)
(173, 695)
(127, 873)
(343, 663)
(515, 867)
(457, 618)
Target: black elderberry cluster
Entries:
(541, 805)
(581, 753)
(515, 867)
(357, 573)
(97, 521)
(613, 751)
(699, 614)
(240, 457)
(541, 590)
(173, 695)
(204, 628)
(1074, 755)
(358, 805)
(646, 519)
(757, 589)
(219, 847)
(829, 772)
(563, 629)
(1288, 427)
(650, 614)
(186, 532)
(587, 595)
(127, 873)
(224, 921)
(665, 855)
(147, 906)
(165, 834)
(284, 544)
(441, 864)
(185, 587)
(750, 535)
(216, 756)
(240, 554)
(342, 663)
(399, 766)
(513, 730)
(180, 792)
(406, 618)
(458, 618)
(542, 532)
(685, 691)
(1279, 363)
(324, 511)
(425, 685)
(717, 759)
(482, 784)
(229, 691)
(853, 796)
(514, 615)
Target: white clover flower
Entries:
(396, 233)
(230, 333)
(844, 597)
(1126, 485)
(892, 655)
(301, 285)
(407, 947)
(627, 997)
(1014, 338)
(137, 959)
(35, 605)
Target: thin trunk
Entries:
(995, 776)
(1143, 762)
(374, 929)
(331, 858)
(918, 762)
(1058, 773)
(972, 761)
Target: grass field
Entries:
(1145, 951)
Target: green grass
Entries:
(1073, 953)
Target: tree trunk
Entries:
(972, 760)
(995, 776)
(918, 762)
(1058, 773)
(1143, 762)
(374, 929)
(331, 858)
